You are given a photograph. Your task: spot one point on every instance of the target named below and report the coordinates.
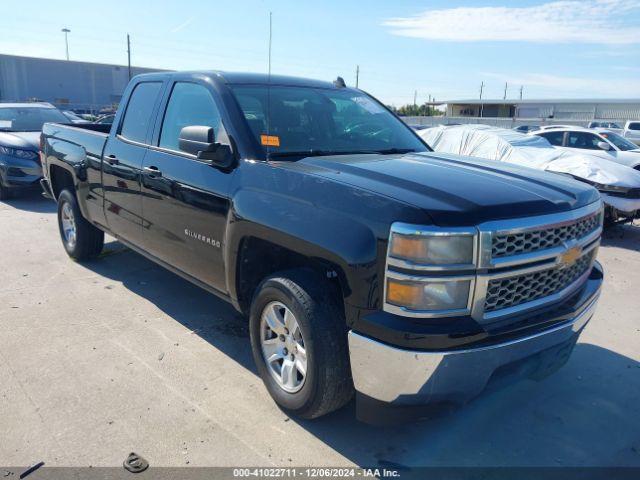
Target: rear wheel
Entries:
(299, 344)
(81, 240)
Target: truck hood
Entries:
(23, 140)
(451, 189)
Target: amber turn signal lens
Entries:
(408, 247)
(405, 294)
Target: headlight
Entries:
(430, 248)
(429, 294)
(430, 270)
(18, 153)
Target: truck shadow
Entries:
(623, 236)
(31, 201)
(588, 413)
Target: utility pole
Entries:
(129, 55)
(66, 32)
(505, 91)
(481, 104)
(415, 97)
(521, 87)
(357, 74)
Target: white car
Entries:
(632, 131)
(602, 143)
(551, 127)
(619, 186)
(611, 126)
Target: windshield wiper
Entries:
(392, 151)
(320, 153)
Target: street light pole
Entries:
(66, 39)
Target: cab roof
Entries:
(241, 78)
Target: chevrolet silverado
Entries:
(365, 262)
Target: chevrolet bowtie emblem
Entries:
(570, 257)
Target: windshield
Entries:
(28, 119)
(619, 141)
(299, 121)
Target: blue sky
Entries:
(561, 48)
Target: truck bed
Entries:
(83, 139)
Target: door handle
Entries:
(152, 171)
(112, 160)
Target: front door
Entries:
(578, 142)
(122, 163)
(186, 201)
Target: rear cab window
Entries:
(138, 115)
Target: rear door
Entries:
(123, 160)
(185, 200)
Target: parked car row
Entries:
(20, 127)
(630, 131)
(598, 158)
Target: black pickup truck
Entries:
(364, 261)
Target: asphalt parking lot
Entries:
(119, 355)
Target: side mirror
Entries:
(604, 146)
(200, 141)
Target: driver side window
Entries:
(583, 140)
(190, 104)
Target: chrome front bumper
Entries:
(404, 377)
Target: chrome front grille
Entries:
(504, 245)
(518, 264)
(512, 291)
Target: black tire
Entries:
(89, 240)
(328, 384)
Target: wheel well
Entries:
(260, 258)
(60, 179)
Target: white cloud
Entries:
(556, 85)
(183, 25)
(566, 21)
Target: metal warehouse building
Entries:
(569, 109)
(67, 84)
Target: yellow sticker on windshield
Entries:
(270, 140)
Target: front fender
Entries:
(310, 230)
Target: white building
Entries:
(560, 109)
(511, 113)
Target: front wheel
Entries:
(81, 240)
(299, 344)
